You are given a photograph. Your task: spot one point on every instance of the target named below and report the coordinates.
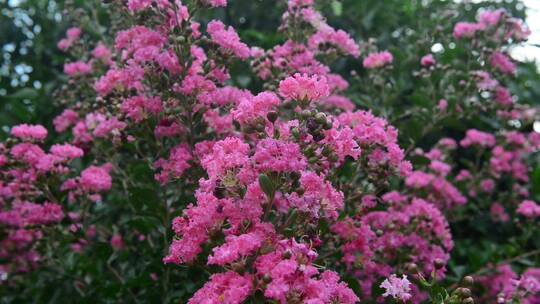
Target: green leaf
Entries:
(25, 93)
(267, 185)
(337, 7)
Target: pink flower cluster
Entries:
(227, 39)
(29, 199)
(397, 288)
(72, 35)
(370, 244)
(378, 60)
(504, 285)
(270, 205)
(489, 22)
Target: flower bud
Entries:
(267, 278)
(412, 268)
(306, 114)
(272, 116)
(465, 292)
(468, 300)
(438, 263)
(327, 125)
(295, 132)
(468, 281)
(320, 118)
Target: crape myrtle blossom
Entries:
(29, 132)
(428, 60)
(397, 288)
(504, 285)
(72, 35)
(27, 206)
(378, 60)
(285, 192)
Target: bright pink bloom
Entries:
(397, 288)
(65, 120)
(226, 154)
(466, 29)
(475, 137)
(304, 87)
(278, 156)
(339, 39)
(501, 62)
(66, 151)
(117, 243)
(102, 52)
(378, 60)
(29, 132)
(258, 106)
(228, 287)
(174, 167)
(77, 68)
(217, 3)
(227, 39)
(491, 18)
(529, 209)
(95, 179)
(428, 60)
(443, 104)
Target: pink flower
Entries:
(503, 96)
(428, 60)
(501, 62)
(175, 166)
(491, 18)
(340, 39)
(65, 120)
(498, 213)
(137, 107)
(485, 82)
(475, 137)
(443, 104)
(102, 52)
(29, 132)
(77, 68)
(228, 153)
(116, 242)
(137, 5)
(66, 151)
(378, 60)
(529, 209)
(73, 33)
(487, 185)
(258, 106)
(227, 39)
(304, 87)
(278, 156)
(217, 3)
(397, 288)
(116, 79)
(228, 287)
(235, 247)
(95, 179)
(466, 29)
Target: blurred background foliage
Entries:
(31, 70)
